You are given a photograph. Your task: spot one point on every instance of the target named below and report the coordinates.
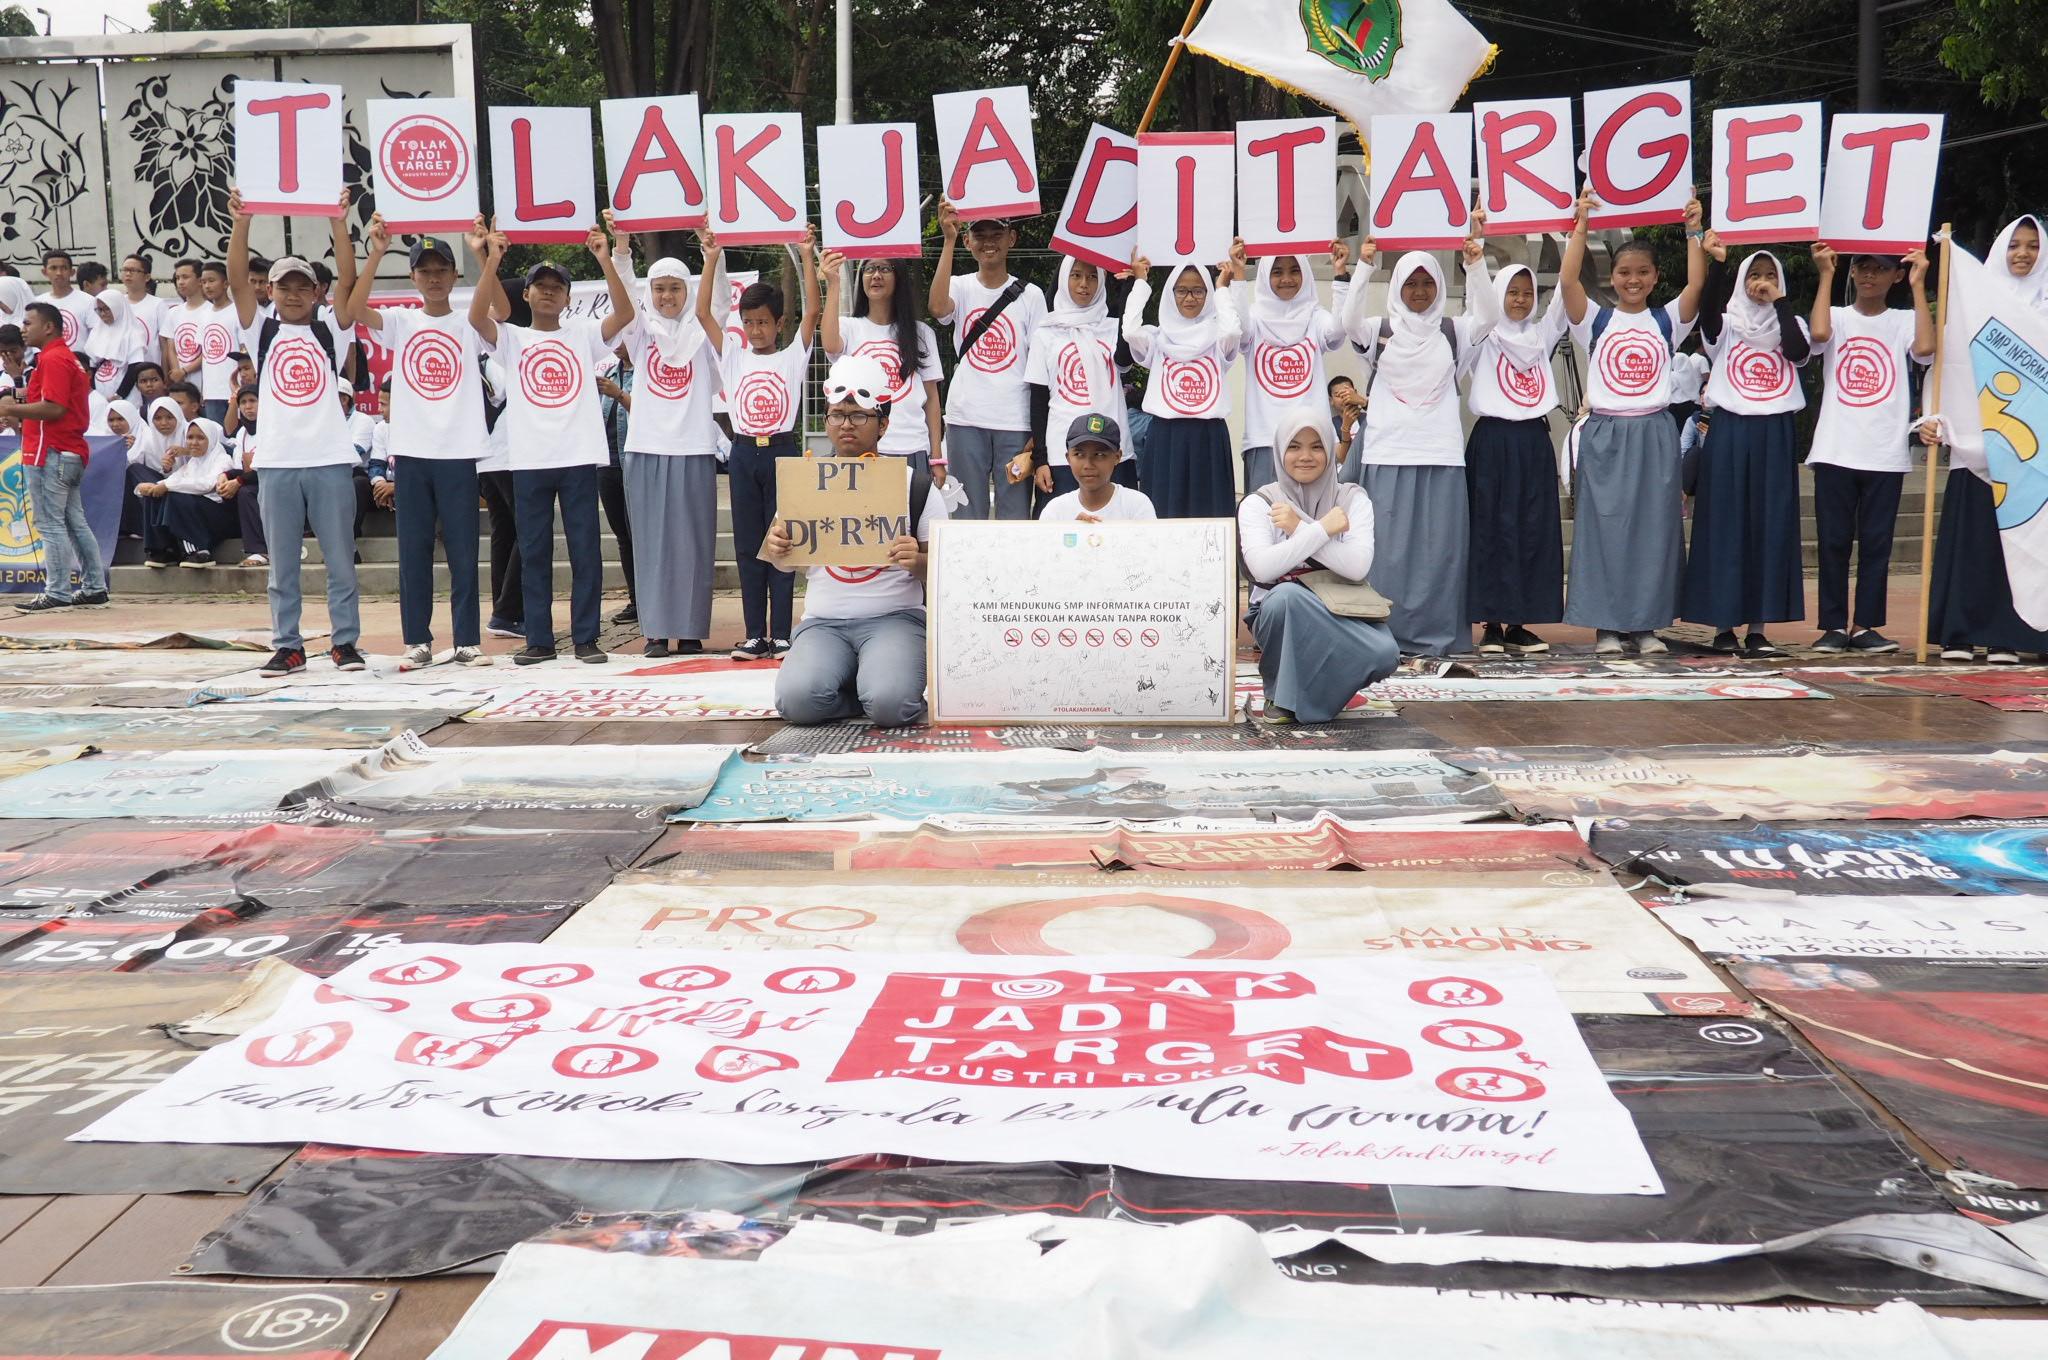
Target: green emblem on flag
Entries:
(1361, 36)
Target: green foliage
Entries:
(2003, 45)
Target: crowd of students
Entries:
(1377, 525)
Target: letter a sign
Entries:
(988, 162)
(289, 147)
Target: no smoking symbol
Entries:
(1150, 637)
(1040, 638)
(1066, 637)
(1013, 637)
(1123, 637)
(1094, 637)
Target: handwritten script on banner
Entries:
(1331, 1070)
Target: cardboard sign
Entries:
(423, 163)
(1639, 154)
(1421, 180)
(1128, 620)
(988, 160)
(841, 512)
(1185, 195)
(654, 162)
(1766, 176)
(1287, 185)
(1099, 220)
(1879, 194)
(1526, 177)
(543, 170)
(289, 147)
(868, 191)
(757, 177)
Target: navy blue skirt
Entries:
(1970, 600)
(1744, 564)
(1516, 569)
(1190, 470)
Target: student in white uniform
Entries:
(989, 441)
(75, 303)
(1095, 450)
(1072, 372)
(1286, 333)
(217, 345)
(1187, 470)
(884, 327)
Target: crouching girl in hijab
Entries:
(1301, 531)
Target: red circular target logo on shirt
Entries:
(1191, 388)
(1072, 375)
(1285, 370)
(184, 342)
(1632, 362)
(107, 370)
(424, 156)
(1522, 386)
(884, 353)
(550, 375)
(1759, 374)
(996, 350)
(298, 371)
(854, 576)
(663, 380)
(1865, 372)
(70, 324)
(215, 342)
(432, 362)
(762, 400)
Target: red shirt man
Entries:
(58, 381)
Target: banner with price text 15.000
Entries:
(1117, 620)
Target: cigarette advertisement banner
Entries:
(407, 775)
(1333, 1070)
(2010, 929)
(186, 1320)
(1837, 857)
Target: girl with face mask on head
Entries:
(1286, 333)
(1189, 352)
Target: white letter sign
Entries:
(1526, 179)
(1099, 221)
(289, 147)
(654, 162)
(867, 191)
(757, 177)
(423, 155)
(988, 160)
(1766, 184)
(543, 169)
(1287, 185)
(1880, 181)
(1639, 154)
(1421, 173)
(1184, 195)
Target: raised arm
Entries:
(490, 289)
(1574, 263)
(1695, 262)
(622, 298)
(807, 266)
(239, 287)
(942, 273)
(714, 333)
(1340, 294)
(1138, 335)
(357, 303)
(1923, 315)
(344, 263)
(1821, 323)
(832, 265)
(1482, 307)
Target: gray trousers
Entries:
(322, 499)
(850, 668)
(979, 458)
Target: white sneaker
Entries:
(1957, 654)
(2001, 657)
(1649, 644)
(470, 656)
(1608, 643)
(417, 657)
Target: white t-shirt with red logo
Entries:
(870, 592)
(908, 432)
(298, 407)
(79, 315)
(1866, 409)
(1753, 380)
(552, 399)
(437, 402)
(988, 389)
(1277, 376)
(217, 329)
(1182, 389)
(184, 326)
(1629, 372)
(764, 393)
(1505, 388)
(671, 406)
(1059, 356)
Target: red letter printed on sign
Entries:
(1083, 223)
(892, 207)
(1741, 165)
(986, 127)
(654, 135)
(1503, 161)
(736, 164)
(1880, 141)
(522, 178)
(1283, 147)
(1673, 149)
(1423, 170)
(287, 108)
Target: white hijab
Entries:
(119, 340)
(1081, 325)
(2034, 283)
(125, 409)
(1524, 341)
(1284, 320)
(209, 428)
(150, 444)
(1187, 337)
(15, 296)
(676, 339)
(1313, 499)
(1753, 323)
(1419, 365)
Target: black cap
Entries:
(989, 224)
(1888, 261)
(429, 245)
(547, 267)
(1095, 429)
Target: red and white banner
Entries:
(1527, 179)
(1333, 1070)
(543, 166)
(1879, 194)
(289, 147)
(757, 177)
(988, 158)
(654, 162)
(1185, 195)
(1639, 154)
(868, 192)
(1421, 180)
(1287, 185)
(1099, 220)
(1766, 175)
(423, 162)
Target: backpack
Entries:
(920, 492)
(1605, 316)
(1446, 324)
(268, 333)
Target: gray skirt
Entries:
(674, 504)
(1311, 661)
(1422, 535)
(1628, 527)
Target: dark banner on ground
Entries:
(1851, 858)
(133, 729)
(1366, 730)
(191, 1321)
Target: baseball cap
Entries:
(429, 245)
(289, 265)
(1887, 261)
(544, 267)
(989, 224)
(860, 380)
(1095, 429)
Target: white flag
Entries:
(1360, 57)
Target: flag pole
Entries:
(1932, 407)
(1172, 56)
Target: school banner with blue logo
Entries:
(21, 551)
(1995, 397)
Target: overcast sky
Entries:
(89, 16)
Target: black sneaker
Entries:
(655, 648)
(1757, 647)
(689, 647)
(198, 557)
(497, 627)
(781, 648)
(591, 653)
(92, 599)
(347, 658)
(158, 562)
(1872, 641)
(630, 614)
(1493, 639)
(753, 649)
(1726, 643)
(532, 656)
(1833, 640)
(1521, 640)
(42, 604)
(284, 661)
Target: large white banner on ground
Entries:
(1790, 927)
(1335, 1070)
(1126, 620)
